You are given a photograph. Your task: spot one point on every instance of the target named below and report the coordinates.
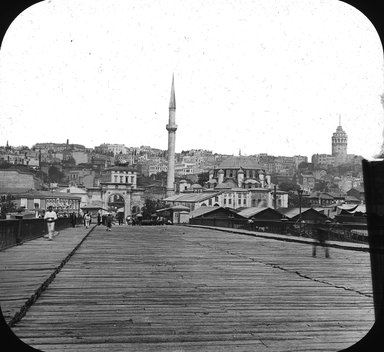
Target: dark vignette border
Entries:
(372, 9)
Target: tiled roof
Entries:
(12, 190)
(237, 162)
(46, 194)
(191, 197)
(351, 199)
(251, 180)
(321, 196)
(336, 195)
(239, 189)
(224, 185)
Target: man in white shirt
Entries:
(51, 217)
(87, 219)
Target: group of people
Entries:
(50, 217)
(134, 220)
(320, 235)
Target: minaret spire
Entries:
(339, 119)
(171, 128)
(172, 101)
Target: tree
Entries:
(288, 186)
(321, 186)
(161, 176)
(7, 205)
(54, 174)
(150, 207)
(304, 166)
(202, 178)
(294, 200)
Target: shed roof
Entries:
(208, 210)
(250, 212)
(294, 212)
(201, 210)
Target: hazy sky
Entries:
(262, 76)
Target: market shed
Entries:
(178, 214)
(217, 216)
(309, 215)
(261, 213)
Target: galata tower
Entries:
(339, 145)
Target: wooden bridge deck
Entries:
(186, 289)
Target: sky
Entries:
(251, 76)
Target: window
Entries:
(216, 199)
(239, 201)
(23, 202)
(229, 201)
(209, 201)
(225, 201)
(244, 201)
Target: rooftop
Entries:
(237, 162)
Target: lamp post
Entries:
(300, 194)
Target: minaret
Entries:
(171, 127)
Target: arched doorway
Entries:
(116, 204)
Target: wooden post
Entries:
(19, 230)
(373, 172)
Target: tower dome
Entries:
(339, 145)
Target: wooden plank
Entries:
(178, 288)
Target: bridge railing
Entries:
(14, 232)
(335, 231)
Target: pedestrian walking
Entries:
(98, 218)
(320, 240)
(139, 218)
(109, 220)
(73, 219)
(87, 219)
(50, 217)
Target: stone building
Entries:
(245, 171)
(118, 191)
(38, 201)
(18, 180)
(339, 145)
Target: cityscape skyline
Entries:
(248, 78)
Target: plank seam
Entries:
(286, 270)
(285, 239)
(33, 298)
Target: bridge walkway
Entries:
(178, 288)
